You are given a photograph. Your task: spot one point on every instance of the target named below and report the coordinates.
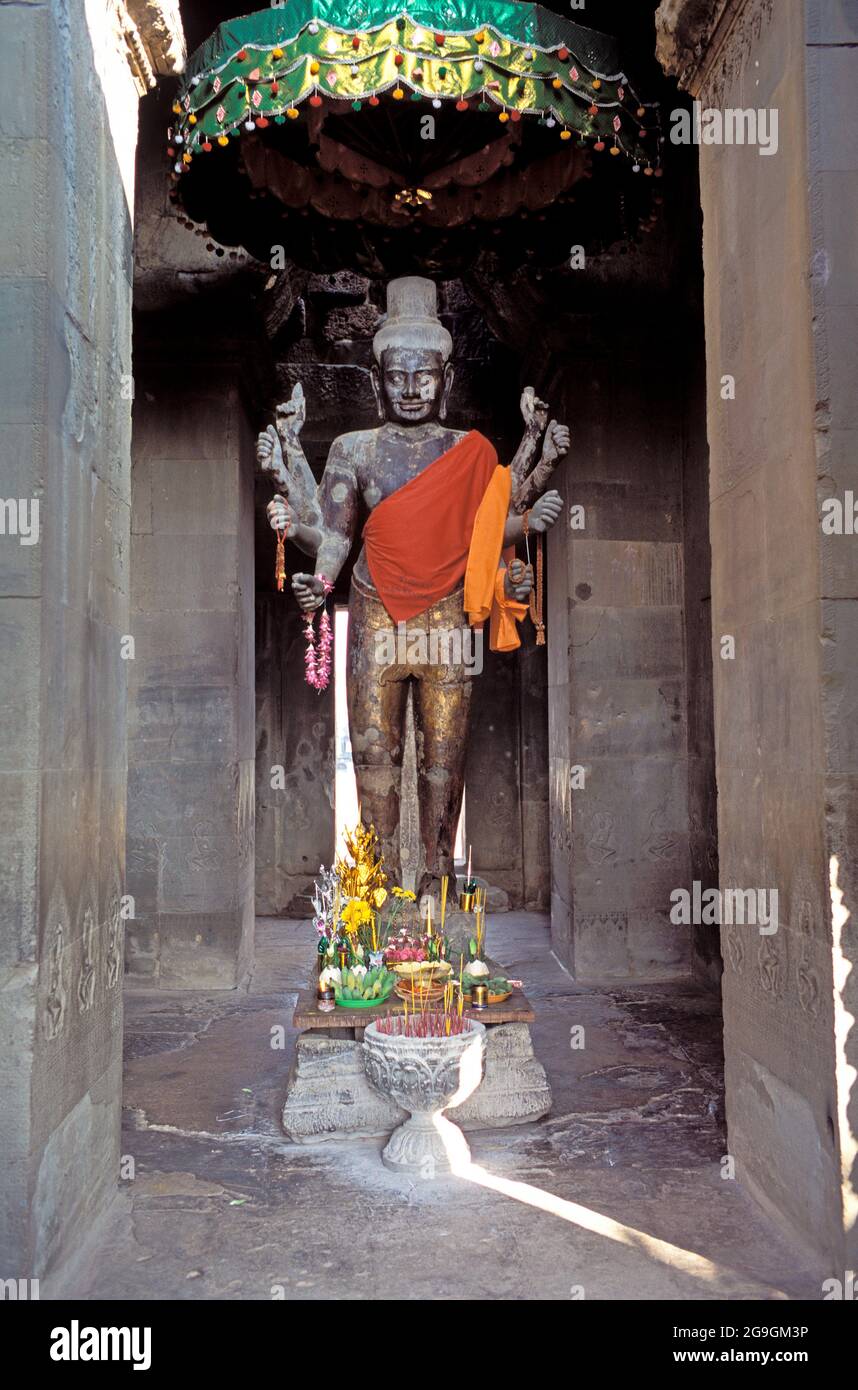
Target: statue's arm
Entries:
(281, 514)
(295, 508)
(555, 447)
(542, 508)
(339, 502)
(534, 413)
(307, 538)
(302, 492)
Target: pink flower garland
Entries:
(317, 660)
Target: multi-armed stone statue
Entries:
(443, 516)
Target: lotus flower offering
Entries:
(362, 988)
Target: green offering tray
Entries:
(363, 1003)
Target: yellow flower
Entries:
(355, 914)
(404, 893)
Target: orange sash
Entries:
(446, 523)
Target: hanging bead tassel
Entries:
(280, 562)
(280, 553)
(536, 596)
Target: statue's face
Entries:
(412, 385)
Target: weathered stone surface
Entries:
(515, 1087)
(65, 395)
(684, 29)
(341, 286)
(159, 30)
(628, 656)
(294, 764)
(328, 1095)
(191, 719)
(357, 321)
(784, 704)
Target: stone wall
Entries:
(191, 707)
(68, 131)
(294, 757)
(781, 286)
(618, 679)
(831, 53)
(697, 599)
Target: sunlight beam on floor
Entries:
(672, 1256)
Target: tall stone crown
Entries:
(412, 318)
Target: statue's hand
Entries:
(281, 516)
(545, 511)
(534, 411)
(292, 414)
(269, 454)
(309, 591)
(521, 592)
(556, 443)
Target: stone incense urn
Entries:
(425, 1075)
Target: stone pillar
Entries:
(492, 783)
(68, 129)
(506, 787)
(781, 282)
(616, 662)
(533, 773)
(191, 707)
(294, 751)
(697, 598)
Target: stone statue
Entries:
(440, 513)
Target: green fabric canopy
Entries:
(524, 24)
(513, 59)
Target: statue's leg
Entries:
(376, 693)
(442, 698)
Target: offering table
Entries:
(329, 1097)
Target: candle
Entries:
(469, 865)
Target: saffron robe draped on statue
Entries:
(440, 527)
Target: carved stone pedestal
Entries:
(329, 1097)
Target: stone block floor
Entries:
(617, 1194)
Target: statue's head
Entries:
(412, 374)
